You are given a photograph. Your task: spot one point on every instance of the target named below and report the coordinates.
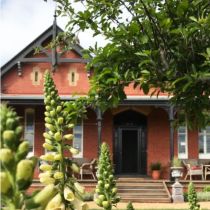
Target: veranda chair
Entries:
(88, 169)
(193, 169)
(207, 170)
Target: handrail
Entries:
(166, 188)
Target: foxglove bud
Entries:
(22, 150)
(45, 167)
(68, 194)
(4, 183)
(101, 197)
(75, 168)
(19, 131)
(42, 198)
(106, 204)
(60, 120)
(58, 109)
(48, 146)
(46, 135)
(68, 136)
(24, 174)
(74, 151)
(52, 113)
(47, 114)
(58, 136)
(47, 157)
(58, 175)
(48, 120)
(79, 188)
(57, 157)
(10, 124)
(50, 126)
(6, 155)
(24, 169)
(71, 125)
(45, 174)
(47, 180)
(48, 108)
(8, 136)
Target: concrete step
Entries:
(146, 200)
(147, 195)
(147, 191)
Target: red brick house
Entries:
(139, 131)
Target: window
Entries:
(36, 74)
(182, 142)
(29, 129)
(78, 139)
(204, 143)
(72, 77)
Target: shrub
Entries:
(88, 196)
(130, 206)
(185, 194)
(203, 196)
(176, 162)
(206, 189)
(155, 166)
(192, 197)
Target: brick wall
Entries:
(157, 136)
(158, 140)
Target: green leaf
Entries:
(193, 19)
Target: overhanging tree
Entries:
(158, 46)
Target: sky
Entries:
(22, 21)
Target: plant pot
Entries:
(176, 172)
(156, 174)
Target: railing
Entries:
(166, 189)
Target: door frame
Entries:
(118, 148)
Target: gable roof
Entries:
(29, 48)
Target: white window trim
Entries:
(181, 155)
(80, 155)
(27, 110)
(204, 155)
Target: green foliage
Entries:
(16, 171)
(157, 46)
(192, 197)
(106, 190)
(176, 162)
(59, 120)
(185, 194)
(155, 166)
(130, 206)
(206, 188)
(203, 196)
(88, 196)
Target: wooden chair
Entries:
(207, 170)
(193, 169)
(88, 168)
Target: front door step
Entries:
(144, 191)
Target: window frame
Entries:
(80, 155)
(182, 155)
(204, 133)
(30, 110)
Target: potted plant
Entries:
(155, 168)
(176, 168)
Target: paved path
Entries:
(160, 206)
